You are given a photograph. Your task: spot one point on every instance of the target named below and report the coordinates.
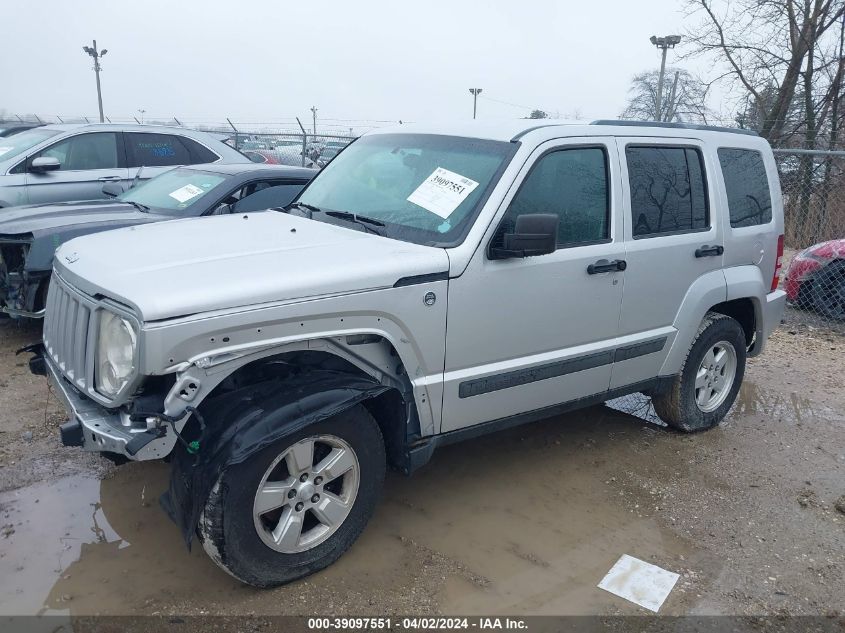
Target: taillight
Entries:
(778, 265)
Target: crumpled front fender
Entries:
(242, 422)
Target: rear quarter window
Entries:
(747, 187)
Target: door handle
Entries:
(604, 266)
(110, 179)
(709, 251)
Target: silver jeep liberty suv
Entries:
(430, 285)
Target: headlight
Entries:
(115, 354)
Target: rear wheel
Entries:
(297, 505)
(705, 389)
(828, 293)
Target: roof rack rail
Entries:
(677, 126)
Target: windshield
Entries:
(174, 190)
(11, 146)
(425, 188)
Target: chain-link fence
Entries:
(287, 148)
(813, 185)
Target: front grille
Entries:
(67, 331)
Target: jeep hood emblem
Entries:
(72, 257)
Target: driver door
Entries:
(525, 335)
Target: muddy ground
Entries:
(525, 521)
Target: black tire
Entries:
(828, 291)
(677, 406)
(227, 529)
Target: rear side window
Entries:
(199, 153)
(747, 187)
(571, 183)
(156, 150)
(668, 192)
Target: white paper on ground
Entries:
(640, 582)
(442, 192)
(183, 194)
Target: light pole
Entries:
(314, 116)
(474, 92)
(142, 111)
(663, 43)
(97, 55)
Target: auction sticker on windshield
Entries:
(3, 150)
(183, 194)
(442, 192)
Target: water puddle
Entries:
(524, 521)
(792, 406)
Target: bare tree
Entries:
(684, 97)
(774, 51)
(538, 114)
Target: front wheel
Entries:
(705, 389)
(296, 506)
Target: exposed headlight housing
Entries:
(116, 343)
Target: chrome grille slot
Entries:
(66, 331)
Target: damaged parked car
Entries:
(430, 284)
(30, 235)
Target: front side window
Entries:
(425, 188)
(668, 192)
(155, 150)
(571, 183)
(97, 150)
(747, 186)
(175, 190)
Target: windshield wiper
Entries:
(141, 207)
(363, 220)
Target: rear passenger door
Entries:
(157, 152)
(673, 244)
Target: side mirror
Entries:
(44, 163)
(534, 234)
(112, 189)
(223, 209)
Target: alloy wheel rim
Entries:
(306, 494)
(715, 376)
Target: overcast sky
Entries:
(265, 61)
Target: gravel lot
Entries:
(526, 521)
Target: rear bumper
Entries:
(772, 313)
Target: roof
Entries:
(543, 129)
(256, 169)
(126, 127)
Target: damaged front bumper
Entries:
(95, 428)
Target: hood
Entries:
(41, 218)
(197, 265)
